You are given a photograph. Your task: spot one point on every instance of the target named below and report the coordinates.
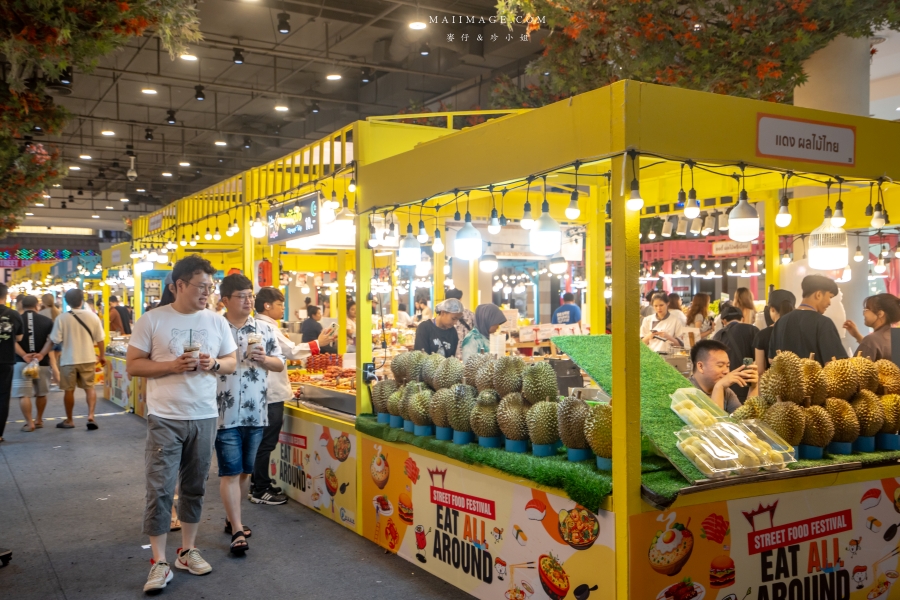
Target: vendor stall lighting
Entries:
(423, 233)
(467, 245)
(161, 258)
(208, 235)
(558, 264)
(352, 185)
(217, 236)
(828, 249)
(152, 255)
(545, 237)
(682, 227)
(709, 225)
(880, 266)
(193, 240)
(696, 226)
(373, 236)
(838, 219)
(723, 221)
(488, 262)
(410, 253)
(692, 205)
(494, 223)
(897, 251)
(783, 218)
(572, 211)
(635, 202)
(667, 229)
(884, 251)
(743, 222)
(171, 245)
(878, 217)
(258, 228)
(183, 241)
(135, 254)
(786, 259)
(235, 226)
(651, 235)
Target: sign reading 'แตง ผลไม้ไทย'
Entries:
(808, 141)
(294, 220)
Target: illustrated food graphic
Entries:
(379, 469)
(671, 549)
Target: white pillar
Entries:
(838, 78)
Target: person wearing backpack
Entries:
(79, 331)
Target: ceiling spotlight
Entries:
(80, 192)
(123, 199)
(247, 143)
(66, 77)
(418, 23)
(188, 56)
(84, 156)
(198, 93)
(107, 132)
(170, 117)
(365, 75)
(281, 105)
(314, 107)
(166, 174)
(149, 90)
(95, 216)
(333, 76)
(109, 208)
(140, 190)
(148, 134)
(238, 57)
(74, 168)
(220, 142)
(284, 23)
(184, 162)
(424, 49)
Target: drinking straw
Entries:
(190, 336)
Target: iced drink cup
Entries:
(252, 340)
(192, 348)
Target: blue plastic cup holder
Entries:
(384, 418)
(424, 430)
(604, 464)
(864, 444)
(463, 437)
(445, 434)
(810, 452)
(578, 454)
(840, 448)
(396, 421)
(519, 446)
(887, 441)
(490, 442)
(543, 449)
(409, 426)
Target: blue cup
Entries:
(463, 437)
(384, 418)
(424, 430)
(604, 464)
(543, 449)
(864, 444)
(810, 452)
(519, 446)
(490, 442)
(887, 441)
(577, 454)
(839, 448)
(445, 434)
(408, 426)
(396, 421)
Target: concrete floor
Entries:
(71, 503)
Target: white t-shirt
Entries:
(162, 332)
(77, 343)
(671, 325)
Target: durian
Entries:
(840, 379)
(511, 417)
(508, 375)
(429, 368)
(814, 386)
(539, 383)
(484, 378)
(381, 391)
(400, 366)
(542, 422)
(819, 428)
(890, 405)
(888, 377)
(598, 429)
(417, 363)
(866, 373)
(410, 390)
(448, 373)
(571, 415)
(461, 406)
(753, 408)
(783, 379)
(787, 419)
(439, 407)
(483, 418)
(419, 407)
(867, 407)
(471, 366)
(393, 403)
(846, 425)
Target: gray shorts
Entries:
(23, 387)
(179, 450)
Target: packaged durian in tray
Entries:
(764, 441)
(695, 408)
(712, 454)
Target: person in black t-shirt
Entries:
(438, 335)
(781, 302)
(35, 345)
(807, 330)
(10, 333)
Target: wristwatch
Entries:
(215, 366)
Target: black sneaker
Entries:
(268, 496)
(274, 488)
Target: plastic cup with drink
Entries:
(253, 339)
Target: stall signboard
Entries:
(316, 466)
(805, 140)
(118, 382)
(487, 536)
(831, 543)
(155, 222)
(729, 248)
(294, 220)
(152, 287)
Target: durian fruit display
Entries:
(571, 415)
(381, 391)
(869, 412)
(393, 403)
(511, 417)
(508, 375)
(866, 373)
(483, 418)
(783, 380)
(843, 417)
(410, 390)
(814, 386)
(598, 429)
(461, 407)
(890, 405)
(439, 407)
(840, 379)
(419, 407)
(888, 377)
(787, 419)
(484, 378)
(429, 368)
(407, 366)
(819, 428)
(448, 373)
(753, 408)
(471, 366)
(542, 422)
(539, 384)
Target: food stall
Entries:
(117, 280)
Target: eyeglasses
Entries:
(208, 288)
(243, 297)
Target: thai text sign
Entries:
(809, 141)
(292, 221)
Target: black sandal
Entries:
(229, 529)
(239, 543)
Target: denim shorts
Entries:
(236, 450)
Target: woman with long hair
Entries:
(698, 315)
(880, 312)
(676, 309)
(743, 299)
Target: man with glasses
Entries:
(243, 402)
(180, 348)
(270, 309)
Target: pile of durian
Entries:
(807, 404)
(491, 396)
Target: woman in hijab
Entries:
(488, 319)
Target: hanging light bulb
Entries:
(572, 211)
(235, 226)
(743, 222)
(783, 218)
(651, 235)
(208, 235)
(558, 264)
(828, 249)
(217, 236)
(838, 219)
(545, 237)
(667, 229)
(635, 202)
(152, 255)
(897, 251)
(527, 221)
(410, 253)
(258, 228)
(373, 236)
(494, 223)
(878, 217)
(692, 206)
(880, 266)
(467, 245)
(183, 242)
(786, 259)
(438, 244)
(488, 262)
(884, 251)
(423, 234)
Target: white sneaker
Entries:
(160, 575)
(191, 561)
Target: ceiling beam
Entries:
(190, 128)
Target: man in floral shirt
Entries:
(242, 400)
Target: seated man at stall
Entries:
(738, 338)
(712, 374)
(438, 335)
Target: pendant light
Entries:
(635, 202)
(691, 206)
(527, 221)
(558, 264)
(183, 241)
(651, 235)
(878, 219)
(208, 235)
(258, 228)
(467, 245)
(786, 259)
(410, 253)
(784, 217)
(437, 245)
(828, 249)
(743, 222)
(682, 227)
(494, 223)
(696, 226)
(709, 225)
(858, 256)
(217, 236)
(488, 262)
(723, 221)
(572, 211)
(373, 236)
(838, 219)
(545, 237)
(667, 229)
(423, 233)
(880, 266)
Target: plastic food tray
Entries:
(713, 455)
(756, 439)
(695, 408)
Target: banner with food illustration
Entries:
(490, 537)
(316, 466)
(832, 543)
